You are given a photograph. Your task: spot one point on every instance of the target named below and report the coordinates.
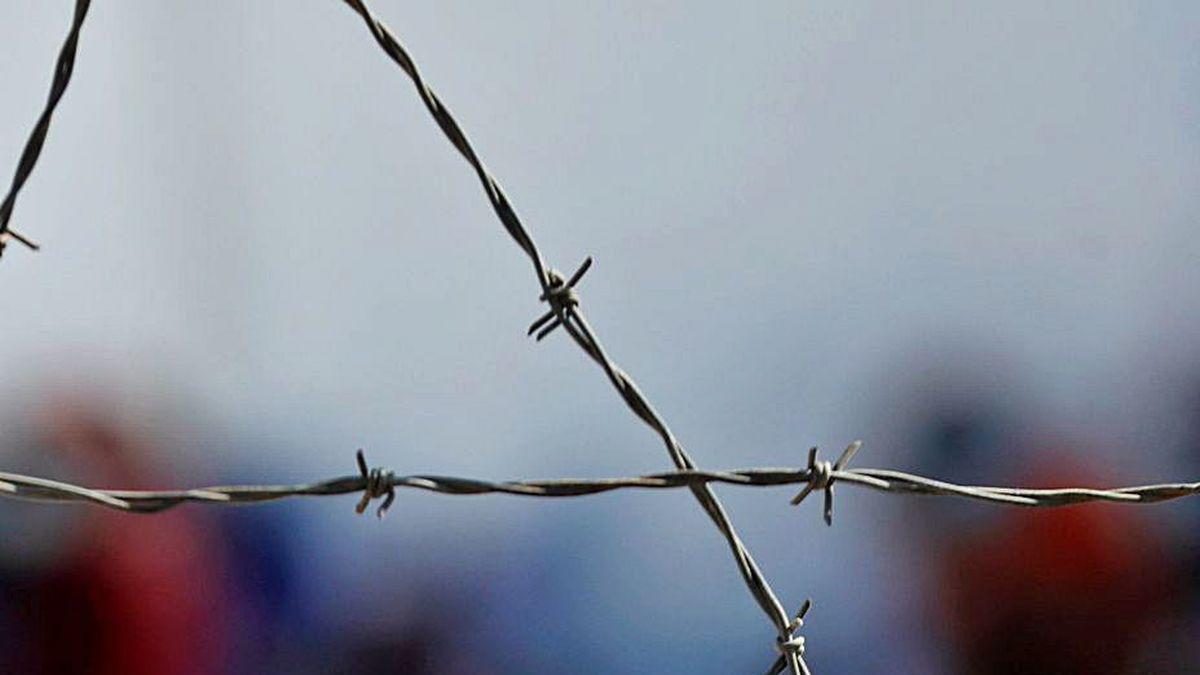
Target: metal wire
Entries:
(37, 137)
(819, 475)
(376, 482)
(561, 296)
(559, 293)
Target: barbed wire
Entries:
(560, 294)
(375, 483)
(37, 138)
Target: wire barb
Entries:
(561, 296)
(822, 474)
(37, 137)
(789, 645)
(11, 234)
(376, 483)
(574, 322)
(380, 483)
(559, 293)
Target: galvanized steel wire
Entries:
(37, 138)
(564, 310)
(559, 293)
(373, 483)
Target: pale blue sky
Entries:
(245, 210)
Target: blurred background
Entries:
(965, 235)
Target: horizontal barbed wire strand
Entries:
(564, 311)
(377, 483)
(37, 138)
(560, 295)
(817, 476)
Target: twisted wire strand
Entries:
(379, 483)
(32, 488)
(37, 138)
(566, 312)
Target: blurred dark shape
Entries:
(961, 441)
(1072, 590)
(967, 438)
(124, 593)
(424, 649)
(195, 589)
(1176, 647)
(1082, 589)
(958, 405)
(272, 631)
(1190, 546)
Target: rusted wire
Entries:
(37, 138)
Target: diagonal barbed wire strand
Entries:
(564, 311)
(37, 138)
(560, 295)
